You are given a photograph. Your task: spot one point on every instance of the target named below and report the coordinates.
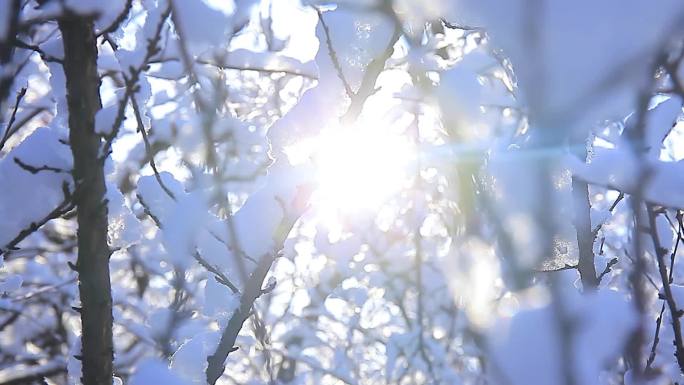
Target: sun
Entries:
(358, 168)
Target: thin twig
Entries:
(148, 148)
(37, 169)
(675, 313)
(333, 55)
(9, 131)
(63, 208)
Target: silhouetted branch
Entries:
(63, 208)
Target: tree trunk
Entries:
(83, 99)
(582, 222)
(216, 361)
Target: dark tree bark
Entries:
(216, 362)
(83, 99)
(7, 49)
(582, 221)
(585, 235)
(252, 291)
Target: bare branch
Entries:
(333, 55)
(63, 208)
(37, 169)
(9, 130)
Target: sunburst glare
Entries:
(357, 168)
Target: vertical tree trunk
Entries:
(582, 222)
(83, 99)
(585, 235)
(6, 50)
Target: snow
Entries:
(666, 234)
(355, 38)
(474, 271)
(106, 59)
(182, 217)
(677, 294)
(74, 365)
(129, 59)
(213, 246)
(10, 283)
(105, 11)
(246, 59)
(579, 65)
(406, 343)
(27, 197)
(618, 169)
(53, 48)
(463, 97)
(105, 118)
(243, 11)
(90, 7)
(258, 221)
(417, 12)
(612, 167)
(659, 122)
(187, 224)
(154, 371)
(168, 70)
(182, 226)
(344, 306)
(617, 166)
(519, 178)
(58, 91)
(124, 229)
(527, 349)
(202, 27)
(345, 3)
(154, 198)
(19, 372)
(219, 302)
(189, 362)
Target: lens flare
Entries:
(358, 169)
